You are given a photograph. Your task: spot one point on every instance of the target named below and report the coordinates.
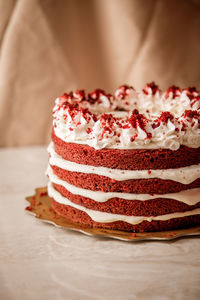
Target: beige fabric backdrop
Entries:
(48, 47)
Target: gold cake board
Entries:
(40, 206)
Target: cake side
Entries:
(126, 159)
(83, 218)
(151, 207)
(123, 169)
(101, 183)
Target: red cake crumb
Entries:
(170, 234)
(132, 139)
(80, 95)
(107, 123)
(194, 100)
(65, 97)
(123, 92)
(174, 90)
(95, 96)
(136, 120)
(165, 117)
(152, 86)
(191, 114)
(191, 92)
(29, 208)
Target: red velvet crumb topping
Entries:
(94, 96)
(191, 114)
(124, 91)
(107, 122)
(174, 90)
(154, 88)
(80, 95)
(165, 117)
(137, 119)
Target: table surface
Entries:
(40, 261)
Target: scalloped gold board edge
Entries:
(40, 206)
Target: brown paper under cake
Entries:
(40, 205)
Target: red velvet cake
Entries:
(128, 161)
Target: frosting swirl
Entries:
(146, 119)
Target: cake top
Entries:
(130, 119)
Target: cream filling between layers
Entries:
(103, 217)
(184, 175)
(190, 197)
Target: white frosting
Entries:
(183, 175)
(190, 197)
(82, 128)
(104, 217)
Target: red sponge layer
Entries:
(138, 186)
(81, 217)
(138, 159)
(153, 207)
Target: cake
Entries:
(128, 161)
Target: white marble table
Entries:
(40, 261)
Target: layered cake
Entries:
(128, 161)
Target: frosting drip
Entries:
(103, 217)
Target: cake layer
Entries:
(104, 217)
(183, 175)
(189, 197)
(153, 207)
(138, 186)
(81, 217)
(135, 159)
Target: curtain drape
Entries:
(48, 47)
